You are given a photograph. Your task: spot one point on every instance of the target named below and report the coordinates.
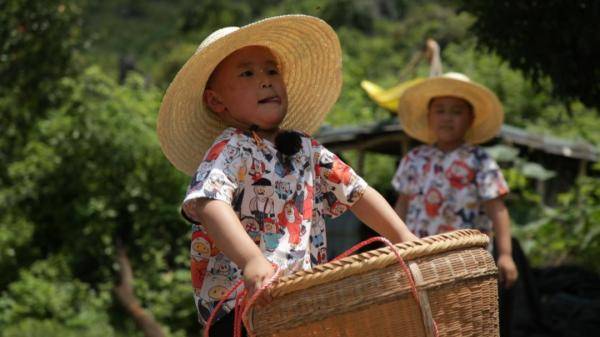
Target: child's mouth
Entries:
(272, 99)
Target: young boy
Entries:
(451, 183)
(257, 195)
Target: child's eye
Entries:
(273, 71)
(247, 73)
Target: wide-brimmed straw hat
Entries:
(309, 54)
(414, 104)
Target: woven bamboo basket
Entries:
(369, 294)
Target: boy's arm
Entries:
(222, 224)
(375, 212)
(401, 206)
(498, 213)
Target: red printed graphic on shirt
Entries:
(433, 201)
(459, 174)
(291, 219)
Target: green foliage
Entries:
(570, 232)
(47, 301)
(80, 164)
(545, 38)
(92, 172)
(38, 41)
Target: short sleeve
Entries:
(342, 186)
(400, 179)
(216, 177)
(490, 180)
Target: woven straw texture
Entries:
(413, 107)
(310, 58)
(369, 295)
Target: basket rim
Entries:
(378, 258)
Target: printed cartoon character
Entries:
(271, 236)
(433, 202)
(319, 193)
(338, 208)
(262, 206)
(213, 290)
(322, 255)
(307, 206)
(413, 174)
(283, 189)
(214, 185)
(200, 176)
(336, 171)
(216, 288)
(202, 247)
(222, 266)
(233, 152)
(356, 193)
(295, 259)
(198, 271)
(318, 240)
(299, 198)
(301, 161)
(215, 150)
(252, 227)
(257, 169)
(459, 174)
(449, 215)
(291, 219)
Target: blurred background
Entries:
(91, 240)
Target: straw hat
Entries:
(413, 107)
(310, 58)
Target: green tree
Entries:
(38, 42)
(557, 39)
(90, 174)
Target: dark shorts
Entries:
(224, 327)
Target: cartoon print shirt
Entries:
(446, 190)
(281, 201)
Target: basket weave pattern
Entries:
(368, 294)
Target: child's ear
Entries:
(213, 101)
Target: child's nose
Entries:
(265, 81)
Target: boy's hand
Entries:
(507, 271)
(257, 272)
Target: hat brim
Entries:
(310, 57)
(413, 108)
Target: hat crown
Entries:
(309, 53)
(218, 34)
(457, 76)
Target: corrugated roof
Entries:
(356, 136)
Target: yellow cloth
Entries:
(388, 98)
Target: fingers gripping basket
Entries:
(369, 294)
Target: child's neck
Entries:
(449, 146)
(268, 134)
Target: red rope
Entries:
(242, 305)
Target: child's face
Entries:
(449, 118)
(247, 88)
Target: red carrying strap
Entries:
(242, 304)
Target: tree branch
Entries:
(124, 293)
